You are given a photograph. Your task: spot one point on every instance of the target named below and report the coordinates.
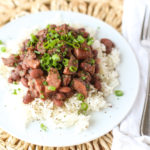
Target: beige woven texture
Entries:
(109, 11)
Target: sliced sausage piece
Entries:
(88, 65)
(65, 89)
(66, 79)
(109, 45)
(80, 86)
(39, 84)
(27, 98)
(82, 54)
(32, 63)
(30, 60)
(24, 81)
(53, 79)
(85, 76)
(11, 60)
(58, 102)
(36, 73)
(72, 66)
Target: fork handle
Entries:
(145, 121)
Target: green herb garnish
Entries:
(59, 66)
(15, 92)
(73, 68)
(34, 39)
(119, 93)
(56, 57)
(43, 127)
(1, 42)
(92, 61)
(42, 96)
(15, 82)
(65, 62)
(52, 88)
(37, 52)
(83, 78)
(15, 64)
(84, 106)
(46, 62)
(45, 83)
(80, 96)
(90, 41)
(19, 89)
(80, 39)
(3, 49)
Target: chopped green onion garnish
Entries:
(15, 83)
(90, 41)
(59, 66)
(1, 42)
(56, 57)
(19, 89)
(92, 61)
(87, 86)
(48, 26)
(52, 88)
(80, 96)
(65, 62)
(83, 78)
(43, 127)
(119, 93)
(37, 52)
(15, 64)
(3, 49)
(73, 68)
(64, 53)
(58, 50)
(46, 62)
(15, 92)
(84, 106)
(80, 39)
(45, 83)
(34, 39)
(42, 96)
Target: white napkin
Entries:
(127, 134)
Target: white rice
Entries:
(66, 116)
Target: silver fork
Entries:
(145, 42)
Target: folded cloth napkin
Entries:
(127, 134)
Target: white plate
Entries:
(101, 122)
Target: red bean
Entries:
(58, 102)
(28, 98)
(65, 89)
(24, 81)
(60, 96)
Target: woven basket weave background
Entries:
(109, 11)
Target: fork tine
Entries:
(148, 32)
(147, 23)
(143, 26)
